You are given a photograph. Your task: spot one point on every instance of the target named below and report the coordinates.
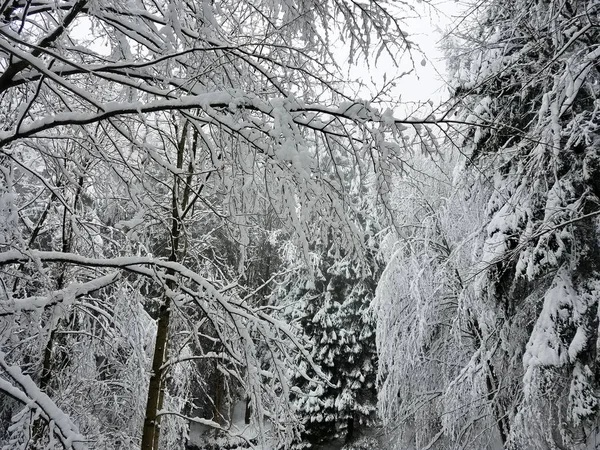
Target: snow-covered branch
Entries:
(27, 392)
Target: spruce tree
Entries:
(333, 316)
(531, 84)
(526, 88)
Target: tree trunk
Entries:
(39, 425)
(491, 381)
(157, 385)
(350, 429)
(151, 433)
(248, 412)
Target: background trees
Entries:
(433, 381)
(332, 314)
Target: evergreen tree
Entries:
(534, 87)
(333, 316)
(356, 403)
(526, 88)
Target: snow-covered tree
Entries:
(332, 313)
(534, 87)
(526, 88)
(427, 334)
(517, 358)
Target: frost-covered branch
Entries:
(27, 392)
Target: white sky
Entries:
(426, 82)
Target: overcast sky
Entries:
(427, 81)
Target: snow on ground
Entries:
(201, 435)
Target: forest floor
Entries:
(204, 437)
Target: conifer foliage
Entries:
(334, 319)
(535, 88)
(526, 85)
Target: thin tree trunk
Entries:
(350, 428)
(492, 387)
(491, 381)
(151, 432)
(248, 412)
(157, 385)
(67, 244)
